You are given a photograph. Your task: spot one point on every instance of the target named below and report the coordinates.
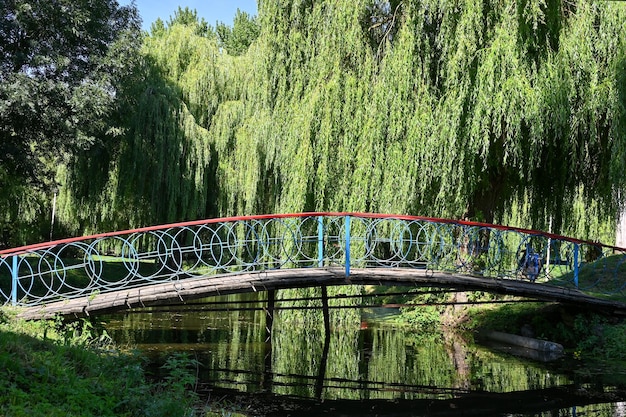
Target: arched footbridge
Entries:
(184, 261)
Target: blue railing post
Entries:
(320, 241)
(576, 264)
(14, 281)
(347, 246)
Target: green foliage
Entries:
(498, 110)
(57, 368)
(598, 339)
(164, 156)
(61, 65)
(237, 40)
(83, 333)
(416, 108)
(511, 317)
(180, 376)
(190, 18)
(423, 319)
(612, 344)
(46, 378)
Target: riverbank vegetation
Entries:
(585, 334)
(51, 368)
(593, 341)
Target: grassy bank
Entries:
(48, 368)
(585, 335)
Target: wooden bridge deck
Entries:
(193, 288)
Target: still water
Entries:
(364, 364)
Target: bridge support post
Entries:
(267, 377)
(347, 225)
(269, 314)
(14, 281)
(576, 265)
(321, 373)
(325, 311)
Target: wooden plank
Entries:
(198, 287)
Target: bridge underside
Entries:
(193, 288)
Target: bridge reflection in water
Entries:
(89, 268)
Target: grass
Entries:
(603, 278)
(48, 368)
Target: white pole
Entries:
(54, 207)
(549, 247)
(620, 232)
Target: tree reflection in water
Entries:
(355, 366)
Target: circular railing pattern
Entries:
(101, 263)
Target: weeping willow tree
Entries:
(446, 108)
(494, 110)
(520, 102)
(158, 171)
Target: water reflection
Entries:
(357, 360)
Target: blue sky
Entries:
(211, 10)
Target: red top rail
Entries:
(32, 247)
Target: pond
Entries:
(366, 364)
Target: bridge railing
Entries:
(107, 262)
